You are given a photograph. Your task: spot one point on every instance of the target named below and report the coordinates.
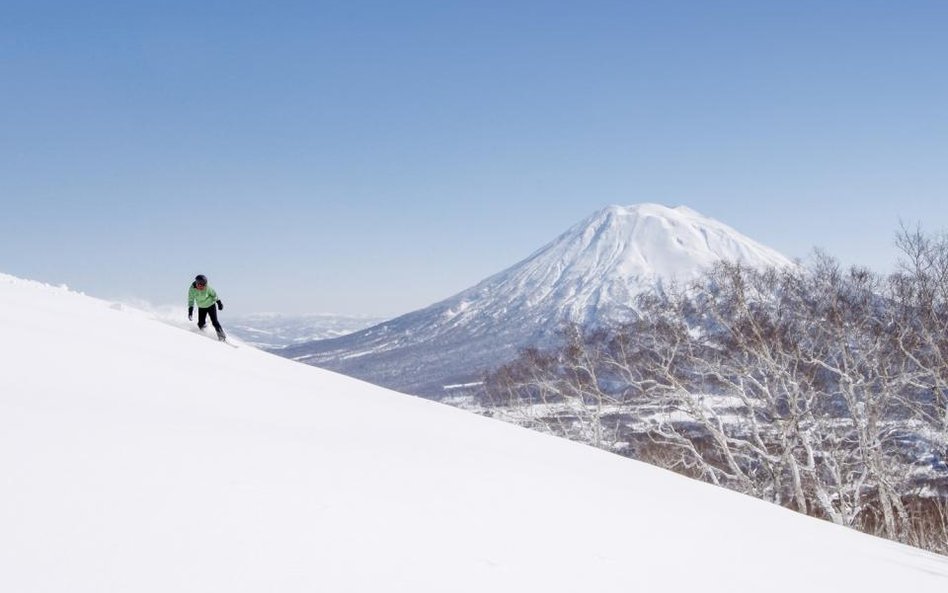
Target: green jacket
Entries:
(204, 298)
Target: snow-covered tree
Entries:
(814, 387)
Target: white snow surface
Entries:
(136, 456)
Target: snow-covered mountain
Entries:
(590, 275)
(140, 456)
(273, 331)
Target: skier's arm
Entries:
(190, 303)
(213, 295)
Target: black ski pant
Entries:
(203, 312)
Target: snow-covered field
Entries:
(139, 456)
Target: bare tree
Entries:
(808, 387)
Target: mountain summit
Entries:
(593, 271)
(589, 275)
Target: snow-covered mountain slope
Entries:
(273, 331)
(589, 275)
(137, 456)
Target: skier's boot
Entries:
(221, 336)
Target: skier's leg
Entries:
(217, 324)
(202, 318)
(212, 311)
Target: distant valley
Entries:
(274, 331)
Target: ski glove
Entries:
(190, 313)
(220, 305)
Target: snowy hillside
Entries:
(139, 456)
(589, 275)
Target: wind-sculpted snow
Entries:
(589, 275)
(139, 456)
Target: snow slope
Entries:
(136, 456)
(589, 275)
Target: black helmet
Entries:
(200, 279)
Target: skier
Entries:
(206, 299)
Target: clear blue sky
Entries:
(374, 157)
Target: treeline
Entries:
(821, 389)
